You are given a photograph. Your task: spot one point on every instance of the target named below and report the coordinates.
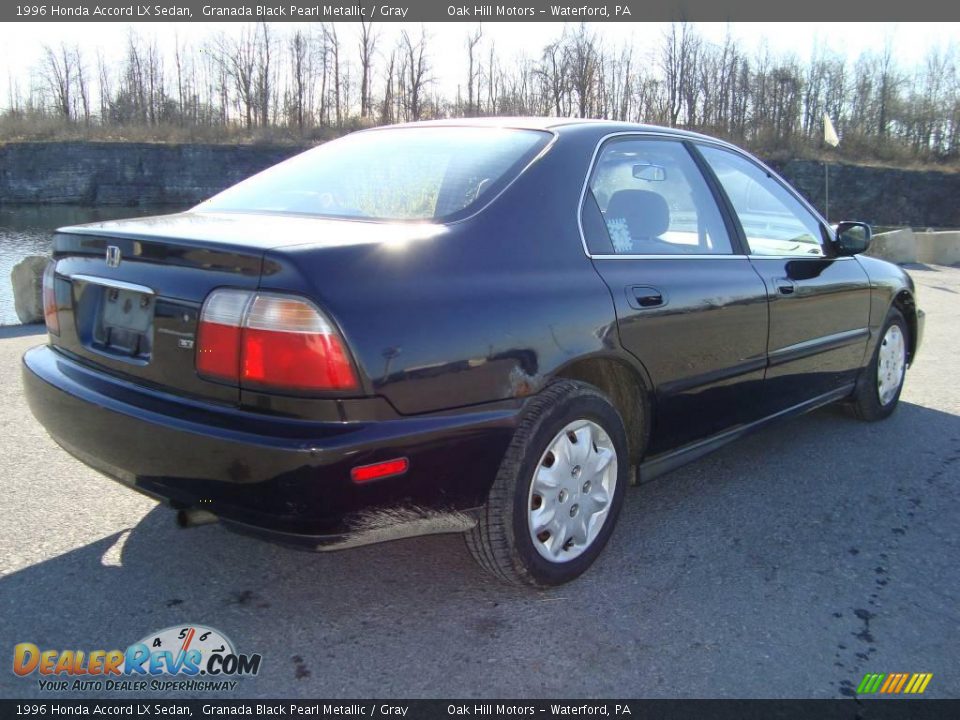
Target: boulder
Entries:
(27, 279)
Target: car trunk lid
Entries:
(129, 292)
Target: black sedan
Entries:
(488, 327)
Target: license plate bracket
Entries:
(127, 310)
(125, 322)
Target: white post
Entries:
(826, 185)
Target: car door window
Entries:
(653, 200)
(773, 220)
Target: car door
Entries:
(819, 303)
(690, 306)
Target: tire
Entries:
(546, 468)
(878, 389)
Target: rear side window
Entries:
(653, 200)
(439, 174)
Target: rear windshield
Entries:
(439, 173)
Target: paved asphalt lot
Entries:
(785, 565)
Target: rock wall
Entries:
(879, 196)
(131, 174)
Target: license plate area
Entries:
(124, 324)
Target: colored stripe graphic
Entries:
(926, 681)
(894, 683)
(870, 683)
(903, 680)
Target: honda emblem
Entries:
(113, 256)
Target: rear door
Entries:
(689, 304)
(819, 304)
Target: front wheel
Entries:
(559, 489)
(878, 390)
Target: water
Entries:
(28, 229)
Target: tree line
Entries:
(275, 83)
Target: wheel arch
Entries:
(905, 303)
(628, 390)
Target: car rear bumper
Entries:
(286, 480)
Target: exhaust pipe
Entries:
(191, 517)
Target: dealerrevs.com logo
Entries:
(183, 657)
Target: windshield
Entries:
(438, 173)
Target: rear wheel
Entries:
(878, 390)
(559, 489)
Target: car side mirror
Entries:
(853, 238)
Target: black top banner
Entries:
(492, 709)
(444, 10)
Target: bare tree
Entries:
(299, 51)
(83, 84)
(263, 79)
(386, 106)
(582, 61)
(553, 74)
(493, 75)
(333, 49)
(265, 75)
(889, 81)
(418, 69)
(178, 67)
(59, 71)
(105, 86)
(237, 58)
(368, 43)
(678, 63)
(473, 70)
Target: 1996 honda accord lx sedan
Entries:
(488, 327)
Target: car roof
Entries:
(558, 124)
(523, 123)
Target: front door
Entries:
(690, 306)
(819, 304)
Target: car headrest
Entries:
(646, 213)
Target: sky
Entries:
(22, 43)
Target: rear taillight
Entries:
(50, 300)
(271, 341)
(218, 337)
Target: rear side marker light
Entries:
(271, 341)
(378, 471)
(50, 316)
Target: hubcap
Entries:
(891, 363)
(571, 491)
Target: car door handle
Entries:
(644, 296)
(785, 286)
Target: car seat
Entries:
(645, 214)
